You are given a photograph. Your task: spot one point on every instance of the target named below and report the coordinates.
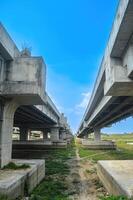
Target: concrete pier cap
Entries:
(22, 77)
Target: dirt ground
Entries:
(83, 180)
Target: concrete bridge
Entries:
(112, 96)
(23, 99)
(45, 118)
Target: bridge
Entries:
(112, 96)
(24, 102)
(44, 118)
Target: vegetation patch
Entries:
(55, 186)
(50, 189)
(14, 166)
(3, 197)
(91, 171)
(114, 198)
(124, 151)
(56, 167)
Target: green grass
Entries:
(54, 186)
(56, 167)
(50, 189)
(3, 197)
(124, 151)
(121, 137)
(114, 198)
(13, 166)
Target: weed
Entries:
(54, 186)
(13, 166)
(114, 198)
(56, 167)
(3, 197)
(91, 171)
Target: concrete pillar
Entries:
(45, 135)
(54, 134)
(63, 135)
(86, 136)
(97, 134)
(6, 129)
(23, 134)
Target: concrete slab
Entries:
(15, 183)
(60, 144)
(117, 176)
(34, 150)
(98, 144)
(38, 145)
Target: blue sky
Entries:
(71, 35)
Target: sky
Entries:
(71, 35)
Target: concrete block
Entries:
(13, 182)
(98, 144)
(117, 176)
(60, 144)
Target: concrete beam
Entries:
(7, 46)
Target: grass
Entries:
(50, 189)
(13, 166)
(3, 197)
(124, 151)
(56, 167)
(114, 198)
(54, 186)
(91, 171)
(122, 137)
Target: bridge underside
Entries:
(116, 109)
(30, 116)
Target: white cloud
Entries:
(83, 104)
(80, 108)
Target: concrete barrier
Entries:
(15, 183)
(117, 176)
(98, 144)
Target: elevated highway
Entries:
(24, 101)
(112, 96)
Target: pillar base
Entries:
(101, 144)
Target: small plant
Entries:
(4, 197)
(98, 184)
(114, 198)
(91, 171)
(56, 167)
(13, 166)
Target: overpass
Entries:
(112, 96)
(44, 118)
(24, 101)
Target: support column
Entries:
(6, 129)
(54, 135)
(45, 135)
(23, 134)
(86, 137)
(63, 134)
(97, 134)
